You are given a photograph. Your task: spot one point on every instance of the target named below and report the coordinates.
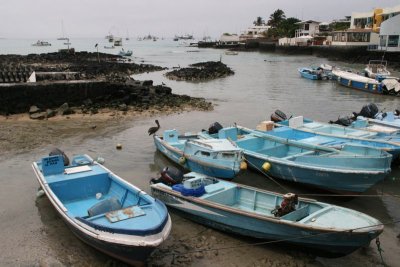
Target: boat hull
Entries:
(336, 181)
(307, 75)
(335, 243)
(366, 87)
(196, 165)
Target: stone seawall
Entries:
(17, 98)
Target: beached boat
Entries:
(257, 213)
(215, 157)
(356, 81)
(311, 74)
(102, 209)
(376, 69)
(41, 43)
(318, 133)
(283, 155)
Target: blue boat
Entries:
(313, 74)
(353, 169)
(214, 157)
(318, 133)
(257, 213)
(356, 81)
(102, 209)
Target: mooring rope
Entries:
(318, 195)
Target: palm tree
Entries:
(258, 22)
(276, 18)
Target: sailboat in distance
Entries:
(63, 38)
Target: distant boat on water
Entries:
(41, 43)
(63, 38)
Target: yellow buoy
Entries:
(266, 166)
(243, 165)
(119, 146)
(182, 160)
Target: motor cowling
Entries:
(288, 205)
(344, 121)
(278, 116)
(369, 111)
(169, 176)
(57, 151)
(214, 128)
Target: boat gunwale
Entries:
(378, 228)
(114, 238)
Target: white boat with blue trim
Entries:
(215, 157)
(262, 214)
(102, 209)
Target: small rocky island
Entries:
(202, 71)
(67, 82)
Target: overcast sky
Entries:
(95, 18)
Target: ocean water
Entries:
(262, 83)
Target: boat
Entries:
(313, 74)
(215, 157)
(231, 53)
(309, 131)
(281, 154)
(41, 43)
(356, 81)
(124, 53)
(109, 47)
(376, 69)
(63, 38)
(102, 209)
(117, 41)
(253, 212)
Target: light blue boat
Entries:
(313, 74)
(102, 209)
(389, 119)
(247, 211)
(276, 153)
(215, 157)
(332, 135)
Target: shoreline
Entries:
(19, 133)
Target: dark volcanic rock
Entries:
(202, 71)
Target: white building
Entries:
(367, 29)
(307, 28)
(254, 32)
(389, 35)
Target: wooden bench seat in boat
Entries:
(298, 214)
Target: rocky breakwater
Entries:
(202, 71)
(82, 82)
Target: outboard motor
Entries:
(169, 176)
(57, 151)
(214, 128)
(369, 111)
(278, 116)
(288, 205)
(345, 121)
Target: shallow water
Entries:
(263, 82)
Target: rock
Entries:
(199, 255)
(50, 262)
(34, 109)
(62, 109)
(50, 113)
(123, 107)
(38, 116)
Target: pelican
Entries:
(154, 129)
